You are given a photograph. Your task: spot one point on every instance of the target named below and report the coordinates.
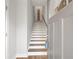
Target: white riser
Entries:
(39, 33)
(38, 38)
(37, 42)
(36, 47)
(37, 53)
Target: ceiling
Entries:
(39, 2)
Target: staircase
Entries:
(37, 45)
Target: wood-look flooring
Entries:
(21, 58)
(35, 57)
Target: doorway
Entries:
(38, 15)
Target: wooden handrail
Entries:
(44, 21)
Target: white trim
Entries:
(62, 37)
(53, 38)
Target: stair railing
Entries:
(46, 43)
(44, 20)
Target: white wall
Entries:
(19, 20)
(39, 2)
(68, 36)
(60, 34)
(21, 27)
(52, 5)
(2, 30)
(46, 13)
(10, 30)
(24, 22)
(30, 19)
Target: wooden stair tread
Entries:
(38, 57)
(37, 50)
(37, 44)
(38, 40)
